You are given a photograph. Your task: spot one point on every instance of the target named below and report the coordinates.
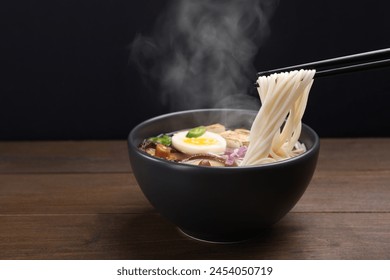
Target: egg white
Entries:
(217, 145)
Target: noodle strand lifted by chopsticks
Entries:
(283, 97)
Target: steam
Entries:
(201, 52)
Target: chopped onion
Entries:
(234, 155)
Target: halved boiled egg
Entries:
(209, 142)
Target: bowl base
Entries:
(217, 239)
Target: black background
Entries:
(65, 70)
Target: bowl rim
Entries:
(289, 161)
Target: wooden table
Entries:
(79, 200)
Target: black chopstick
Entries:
(353, 68)
(340, 65)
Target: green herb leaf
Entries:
(196, 132)
(164, 139)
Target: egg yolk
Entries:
(201, 141)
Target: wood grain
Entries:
(71, 194)
(357, 154)
(349, 191)
(148, 236)
(64, 157)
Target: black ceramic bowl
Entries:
(221, 204)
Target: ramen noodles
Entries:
(272, 137)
